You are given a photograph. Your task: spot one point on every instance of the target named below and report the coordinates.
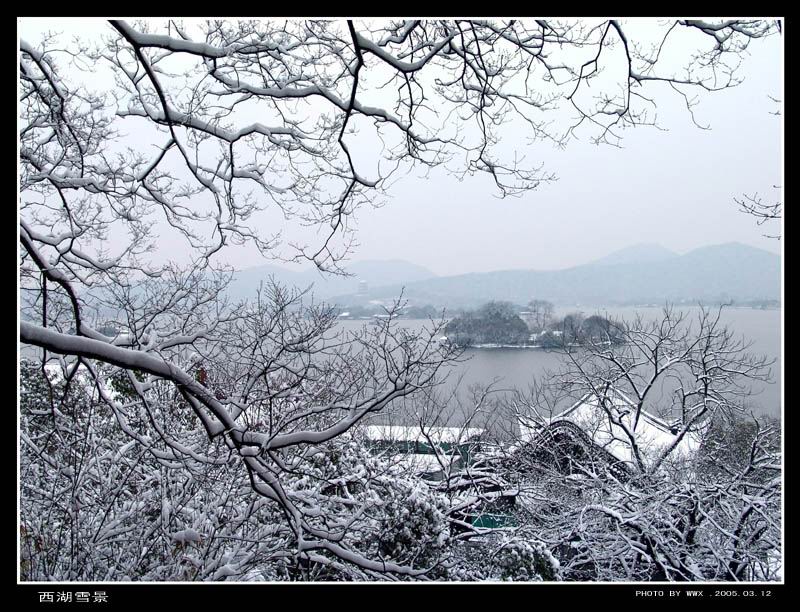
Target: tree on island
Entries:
(492, 323)
(577, 329)
(541, 313)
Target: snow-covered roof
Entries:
(413, 433)
(652, 434)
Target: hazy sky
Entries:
(673, 187)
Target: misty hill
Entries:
(374, 273)
(721, 272)
(638, 253)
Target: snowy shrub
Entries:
(499, 557)
(520, 560)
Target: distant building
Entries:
(363, 288)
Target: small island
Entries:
(502, 325)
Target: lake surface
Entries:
(516, 368)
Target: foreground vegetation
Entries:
(120, 483)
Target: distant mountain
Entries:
(374, 273)
(727, 271)
(389, 272)
(638, 253)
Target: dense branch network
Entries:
(225, 133)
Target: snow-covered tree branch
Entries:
(230, 426)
